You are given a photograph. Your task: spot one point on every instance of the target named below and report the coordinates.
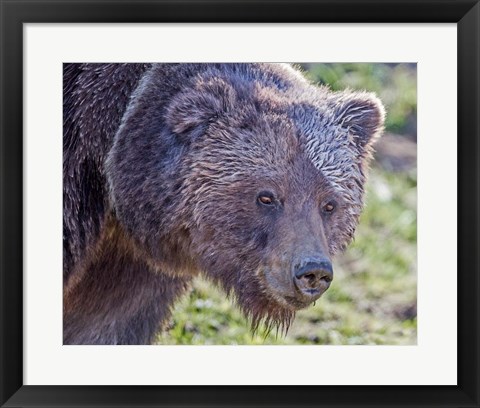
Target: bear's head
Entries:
(255, 181)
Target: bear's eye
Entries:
(329, 207)
(265, 199)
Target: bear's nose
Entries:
(313, 278)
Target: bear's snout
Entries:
(306, 280)
(312, 277)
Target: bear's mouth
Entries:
(296, 303)
(269, 298)
(285, 293)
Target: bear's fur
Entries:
(166, 167)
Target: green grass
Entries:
(372, 299)
(395, 84)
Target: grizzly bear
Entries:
(247, 174)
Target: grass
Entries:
(395, 84)
(372, 299)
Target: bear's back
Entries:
(95, 97)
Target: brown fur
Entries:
(196, 146)
(120, 299)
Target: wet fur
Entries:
(162, 164)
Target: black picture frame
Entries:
(14, 13)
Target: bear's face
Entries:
(259, 188)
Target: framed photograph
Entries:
(239, 203)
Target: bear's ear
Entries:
(191, 111)
(363, 115)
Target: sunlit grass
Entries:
(395, 84)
